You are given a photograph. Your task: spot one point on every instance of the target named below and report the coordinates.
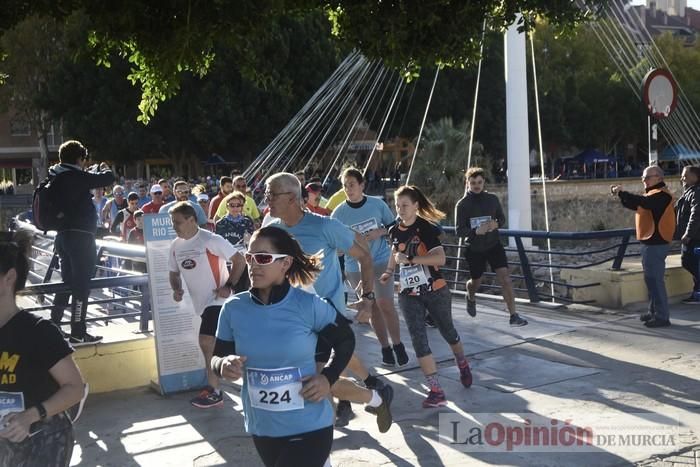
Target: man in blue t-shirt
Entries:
(330, 237)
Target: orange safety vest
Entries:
(645, 224)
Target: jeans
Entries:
(78, 254)
(654, 266)
(690, 261)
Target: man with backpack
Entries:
(72, 214)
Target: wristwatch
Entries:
(42, 411)
(368, 295)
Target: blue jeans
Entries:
(654, 266)
(78, 255)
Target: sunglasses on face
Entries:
(263, 259)
(182, 192)
(118, 193)
(235, 205)
(157, 192)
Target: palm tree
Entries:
(442, 160)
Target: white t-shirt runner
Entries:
(201, 262)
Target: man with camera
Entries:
(75, 238)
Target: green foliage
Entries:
(442, 162)
(164, 41)
(222, 112)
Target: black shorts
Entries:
(496, 257)
(210, 320)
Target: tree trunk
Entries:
(43, 168)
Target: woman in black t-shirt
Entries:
(38, 377)
(417, 250)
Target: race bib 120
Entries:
(276, 390)
(412, 276)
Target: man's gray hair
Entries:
(657, 170)
(284, 181)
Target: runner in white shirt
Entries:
(199, 257)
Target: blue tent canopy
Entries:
(678, 152)
(591, 156)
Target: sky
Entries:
(694, 4)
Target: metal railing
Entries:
(529, 266)
(615, 248)
(129, 289)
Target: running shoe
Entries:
(87, 339)
(465, 375)
(401, 355)
(383, 412)
(343, 413)
(657, 323)
(388, 357)
(516, 320)
(646, 317)
(690, 299)
(471, 307)
(372, 382)
(208, 398)
(429, 321)
(435, 399)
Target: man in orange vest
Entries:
(655, 223)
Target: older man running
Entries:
(322, 234)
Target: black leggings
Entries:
(309, 449)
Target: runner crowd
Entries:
(266, 267)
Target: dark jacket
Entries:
(688, 214)
(655, 204)
(474, 206)
(72, 186)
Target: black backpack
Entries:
(45, 210)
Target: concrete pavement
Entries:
(577, 360)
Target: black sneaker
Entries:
(87, 339)
(657, 323)
(646, 317)
(690, 299)
(516, 320)
(401, 355)
(429, 321)
(471, 307)
(383, 412)
(208, 398)
(388, 357)
(343, 413)
(372, 382)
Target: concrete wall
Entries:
(580, 205)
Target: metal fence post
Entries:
(527, 273)
(617, 263)
(145, 307)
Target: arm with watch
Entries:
(16, 426)
(237, 268)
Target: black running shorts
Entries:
(496, 257)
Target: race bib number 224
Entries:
(275, 390)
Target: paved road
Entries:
(574, 363)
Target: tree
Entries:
(35, 47)
(163, 41)
(222, 112)
(442, 161)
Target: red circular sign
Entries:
(659, 92)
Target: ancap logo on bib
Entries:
(264, 379)
(189, 264)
